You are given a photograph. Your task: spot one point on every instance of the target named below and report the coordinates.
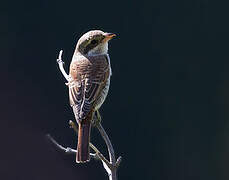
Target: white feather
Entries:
(100, 49)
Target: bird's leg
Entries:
(99, 118)
(96, 118)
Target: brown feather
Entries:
(90, 75)
(83, 149)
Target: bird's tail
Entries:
(83, 151)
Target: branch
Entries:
(61, 66)
(111, 168)
(108, 143)
(67, 150)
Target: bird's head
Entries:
(94, 43)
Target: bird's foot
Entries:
(96, 118)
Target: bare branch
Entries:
(118, 161)
(67, 150)
(73, 126)
(58, 146)
(108, 143)
(61, 66)
(112, 169)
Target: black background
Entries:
(167, 109)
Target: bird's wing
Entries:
(89, 78)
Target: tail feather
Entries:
(83, 151)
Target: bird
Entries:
(90, 72)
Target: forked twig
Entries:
(66, 150)
(110, 166)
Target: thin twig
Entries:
(61, 66)
(67, 150)
(112, 171)
(108, 143)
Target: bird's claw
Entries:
(96, 119)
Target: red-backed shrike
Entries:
(90, 73)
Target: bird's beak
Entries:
(109, 36)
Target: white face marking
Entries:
(100, 49)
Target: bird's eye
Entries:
(94, 42)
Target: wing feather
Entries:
(89, 76)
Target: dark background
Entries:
(167, 109)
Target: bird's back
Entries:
(90, 82)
